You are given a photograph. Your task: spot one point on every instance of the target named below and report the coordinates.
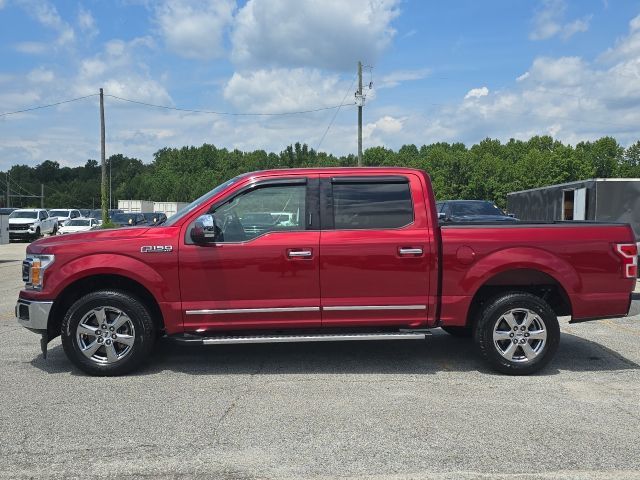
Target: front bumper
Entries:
(33, 315)
(21, 233)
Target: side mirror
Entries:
(512, 215)
(442, 216)
(205, 230)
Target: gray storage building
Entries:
(597, 199)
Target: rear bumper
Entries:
(32, 314)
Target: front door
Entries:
(375, 251)
(263, 272)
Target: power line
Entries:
(336, 113)
(47, 106)
(212, 112)
(11, 180)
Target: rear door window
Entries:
(371, 205)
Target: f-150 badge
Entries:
(156, 249)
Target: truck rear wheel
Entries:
(107, 333)
(517, 333)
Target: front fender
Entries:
(105, 264)
(522, 258)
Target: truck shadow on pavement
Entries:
(440, 353)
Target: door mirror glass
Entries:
(204, 230)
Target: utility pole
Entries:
(8, 191)
(110, 204)
(42, 195)
(103, 189)
(360, 101)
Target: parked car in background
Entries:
(31, 223)
(84, 212)
(128, 219)
(471, 211)
(6, 211)
(63, 215)
(155, 218)
(78, 225)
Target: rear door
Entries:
(375, 254)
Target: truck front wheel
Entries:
(107, 333)
(517, 333)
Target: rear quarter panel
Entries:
(580, 257)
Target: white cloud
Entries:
(86, 22)
(388, 124)
(284, 90)
(40, 75)
(121, 71)
(548, 21)
(32, 48)
(477, 93)
(47, 14)
(331, 34)
(394, 79)
(195, 29)
(627, 47)
(577, 26)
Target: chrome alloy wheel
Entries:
(105, 335)
(519, 335)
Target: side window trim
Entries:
(311, 203)
(327, 218)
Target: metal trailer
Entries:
(597, 199)
(4, 229)
(135, 206)
(168, 208)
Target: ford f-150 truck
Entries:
(351, 254)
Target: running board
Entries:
(225, 340)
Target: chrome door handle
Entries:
(410, 251)
(299, 253)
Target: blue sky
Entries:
(442, 71)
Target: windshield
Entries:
(77, 223)
(199, 201)
(24, 215)
(95, 214)
(59, 213)
(124, 217)
(459, 209)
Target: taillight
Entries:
(629, 254)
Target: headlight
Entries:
(33, 269)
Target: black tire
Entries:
(494, 316)
(37, 235)
(143, 332)
(459, 332)
(55, 230)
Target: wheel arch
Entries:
(529, 280)
(104, 281)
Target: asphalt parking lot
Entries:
(348, 410)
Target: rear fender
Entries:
(522, 258)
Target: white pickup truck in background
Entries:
(31, 223)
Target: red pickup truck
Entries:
(323, 254)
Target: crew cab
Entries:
(31, 223)
(361, 256)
